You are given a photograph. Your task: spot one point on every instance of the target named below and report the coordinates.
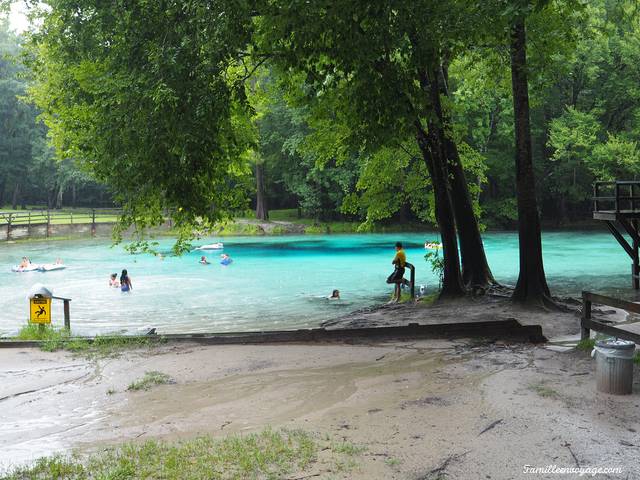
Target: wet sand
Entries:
(420, 408)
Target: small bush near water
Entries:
(266, 455)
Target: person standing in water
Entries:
(399, 261)
(113, 281)
(125, 282)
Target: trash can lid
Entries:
(616, 344)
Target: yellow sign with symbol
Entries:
(40, 310)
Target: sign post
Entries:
(40, 308)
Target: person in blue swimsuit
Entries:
(125, 282)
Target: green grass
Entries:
(347, 448)
(100, 346)
(266, 455)
(393, 462)
(269, 455)
(586, 344)
(544, 391)
(636, 359)
(149, 380)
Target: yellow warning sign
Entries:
(40, 310)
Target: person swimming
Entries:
(125, 282)
(113, 281)
(225, 259)
(335, 295)
(204, 261)
(25, 262)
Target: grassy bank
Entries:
(100, 346)
(269, 454)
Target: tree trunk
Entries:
(16, 196)
(74, 197)
(262, 212)
(59, 197)
(475, 268)
(433, 154)
(531, 288)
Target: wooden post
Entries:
(596, 186)
(617, 195)
(29, 225)
(93, 222)
(9, 227)
(585, 332)
(48, 223)
(67, 315)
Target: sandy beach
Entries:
(463, 409)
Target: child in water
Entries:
(113, 281)
(203, 260)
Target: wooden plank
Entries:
(610, 330)
(621, 240)
(613, 302)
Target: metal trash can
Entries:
(614, 366)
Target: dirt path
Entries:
(421, 409)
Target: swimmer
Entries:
(204, 261)
(58, 261)
(113, 281)
(125, 282)
(225, 259)
(335, 295)
(24, 263)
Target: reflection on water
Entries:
(274, 282)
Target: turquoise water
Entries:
(274, 282)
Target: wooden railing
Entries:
(616, 196)
(588, 323)
(39, 218)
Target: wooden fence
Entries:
(43, 222)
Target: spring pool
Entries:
(273, 283)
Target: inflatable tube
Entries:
(226, 261)
(30, 268)
(49, 267)
(212, 246)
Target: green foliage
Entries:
(149, 380)
(436, 261)
(150, 102)
(586, 345)
(53, 339)
(269, 454)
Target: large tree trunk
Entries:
(475, 268)
(16, 196)
(433, 151)
(532, 286)
(262, 212)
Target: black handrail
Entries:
(412, 279)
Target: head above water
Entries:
(335, 294)
(114, 276)
(123, 274)
(398, 245)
